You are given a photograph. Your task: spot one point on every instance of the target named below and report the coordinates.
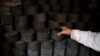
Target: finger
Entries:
(60, 33)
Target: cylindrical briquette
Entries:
(40, 17)
(20, 23)
(38, 25)
(6, 19)
(17, 10)
(60, 17)
(71, 52)
(59, 52)
(85, 17)
(66, 8)
(11, 36)
(15, 0)
(79, 25)
(55, 8)
(5, 13)
(26, 3)
(43, 35)
(77, 8)
(8, 27)
(68, 24)
(51, 15)
(30, 10)
(17, 52)
(4, 8)
(53, 2)
(65, 2)
(76, 2)
(46, 52)
(47, 48)
(73, 17)
(33, 53)
(54, 36)
(47, 44)
(11, 3)
(20, 45)
(20, 19)
(27, 36)
(47, 55)
(52, 24)
(60, 44)
(72, 48)
(72, 44)
(34, 2)
(42, 2)
(84, 51)
(33, 46)
(45, 8)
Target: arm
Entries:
(87, 38)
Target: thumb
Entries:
(60, 33)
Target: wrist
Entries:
(70, 32)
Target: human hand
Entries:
(65, 30)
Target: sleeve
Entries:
(87, 38)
